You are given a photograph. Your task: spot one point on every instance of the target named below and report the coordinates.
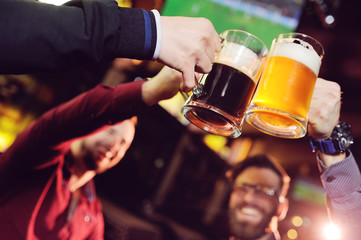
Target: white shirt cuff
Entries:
(159, 33)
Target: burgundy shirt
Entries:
(34, 193)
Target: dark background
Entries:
(190, 193)
(171, 180)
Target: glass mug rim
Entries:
(319, 50)
(245, 32)
(264, 49)
(275, 118)
(232, 121)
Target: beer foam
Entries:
(302, 52)
(239, 57)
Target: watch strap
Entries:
(339, 142)
(326, 146)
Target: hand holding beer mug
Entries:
(281, 102)
(219, 101)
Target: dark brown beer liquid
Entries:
(227, 89)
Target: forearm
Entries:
(52, 134)
(83, 115)
(90, 111)
(342, 182)
(329, 159)
(38, 36)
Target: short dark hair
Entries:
(261, 161)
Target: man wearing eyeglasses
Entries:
(259, 185)
(258, 198)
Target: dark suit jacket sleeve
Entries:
(38, 36)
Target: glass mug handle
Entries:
(198, 88)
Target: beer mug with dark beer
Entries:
(282, 99)
(219, 101)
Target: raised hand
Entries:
(324, 110)
(188, 45)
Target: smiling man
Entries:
(257, 201)
(99, 152)
(46, 187)
(258, 197)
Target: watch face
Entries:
(342, 134)
(339, 142)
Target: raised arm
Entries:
(340, 174)
(37, 36)
(84, 115)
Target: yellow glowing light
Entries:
(297, 221)
(124, 3)
(3, 143)
(173, 106)
(331, 232)
(292, 234)
(218, 144)
(12, 122)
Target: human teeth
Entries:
(250, 211)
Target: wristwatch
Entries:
(340, 141)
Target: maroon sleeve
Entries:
(53, 132)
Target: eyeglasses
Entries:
(261, 190)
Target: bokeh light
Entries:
(297, 221)
(331, 232)
(292, 234)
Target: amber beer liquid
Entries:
(280, 105)
(226, 92)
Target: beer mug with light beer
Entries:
(219, 101)
(282, 99)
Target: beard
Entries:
(89, 161)
(249, 231)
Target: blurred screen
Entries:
(263, 18)
(308, 191)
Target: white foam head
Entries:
(302, 52)
(239, 57)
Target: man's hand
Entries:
(188, 45)
(324, 114)
(324, 110)
(162, 86)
